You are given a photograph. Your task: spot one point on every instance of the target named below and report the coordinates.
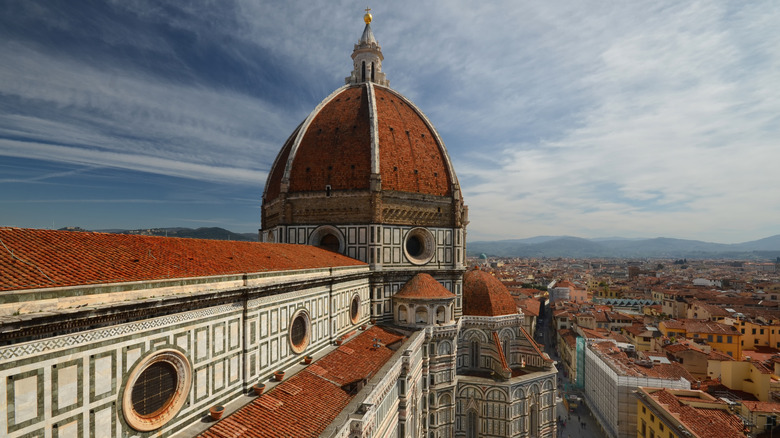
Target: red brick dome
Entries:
(484, 295)
(363, 132)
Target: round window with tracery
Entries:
(354, 309)
(156, 389)
(299, 331)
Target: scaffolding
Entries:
(610, 395)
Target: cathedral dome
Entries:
(361, 132)
(484, 295)
(366, 154)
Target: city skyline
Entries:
(593, 120)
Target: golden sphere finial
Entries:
(367, 18)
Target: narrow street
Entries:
(579, 422)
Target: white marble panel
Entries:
(234, 368)
(68, 430)
(264, 355)
(103, 423)
(67, 380)
(26, 398)
(132, 356)
(203, 347)
(234, 339)
(274, 321)
(201, 382)
(219, 374)
(219, 338)
(103, 375)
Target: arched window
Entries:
(475, 354)
(421, 315)
(472, 427)
(372, 72)
(440, 318)
(534, 421)
(402, 313)
(363, 75)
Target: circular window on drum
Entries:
(419, 246)
(354, 309)
(156, 389)
(300, 329)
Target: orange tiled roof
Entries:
(702, 421)
(32, 258)
(336, 148)
(484, 295)
(699, 326)
(759, 406)
(424, 286)
(305, 404)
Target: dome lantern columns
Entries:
(367, 59)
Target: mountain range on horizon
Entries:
(619, 247)
(543, 246)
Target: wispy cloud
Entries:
(578, 118)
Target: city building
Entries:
(675, 413)
(612, 374)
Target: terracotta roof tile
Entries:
(32, 258)
(484, 295)
(305, 404)
(410, 159)
(702, 421)
(425, 287)
(336, 147)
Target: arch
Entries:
(441, 315)
(533, 412)
(445, 347)
(403, 313)
(519, 394)
(475, 334)
(363, 74)
(472, 424)
(421, 315)
(506, 332)
(328, 237)
(445, 400)
(548, 386)
(372, 71)
(471, 393)
(496, 395)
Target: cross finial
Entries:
(368, 10)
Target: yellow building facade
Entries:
(720, 337)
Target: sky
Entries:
(582, 118)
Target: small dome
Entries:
(483, 256)
(423, 286)
(484, 295)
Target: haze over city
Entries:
(565, 118)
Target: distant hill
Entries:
(618, 247)
(212, 233)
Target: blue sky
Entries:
(591, 118)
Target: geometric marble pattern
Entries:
(70, 341)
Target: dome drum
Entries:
(364, 207)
